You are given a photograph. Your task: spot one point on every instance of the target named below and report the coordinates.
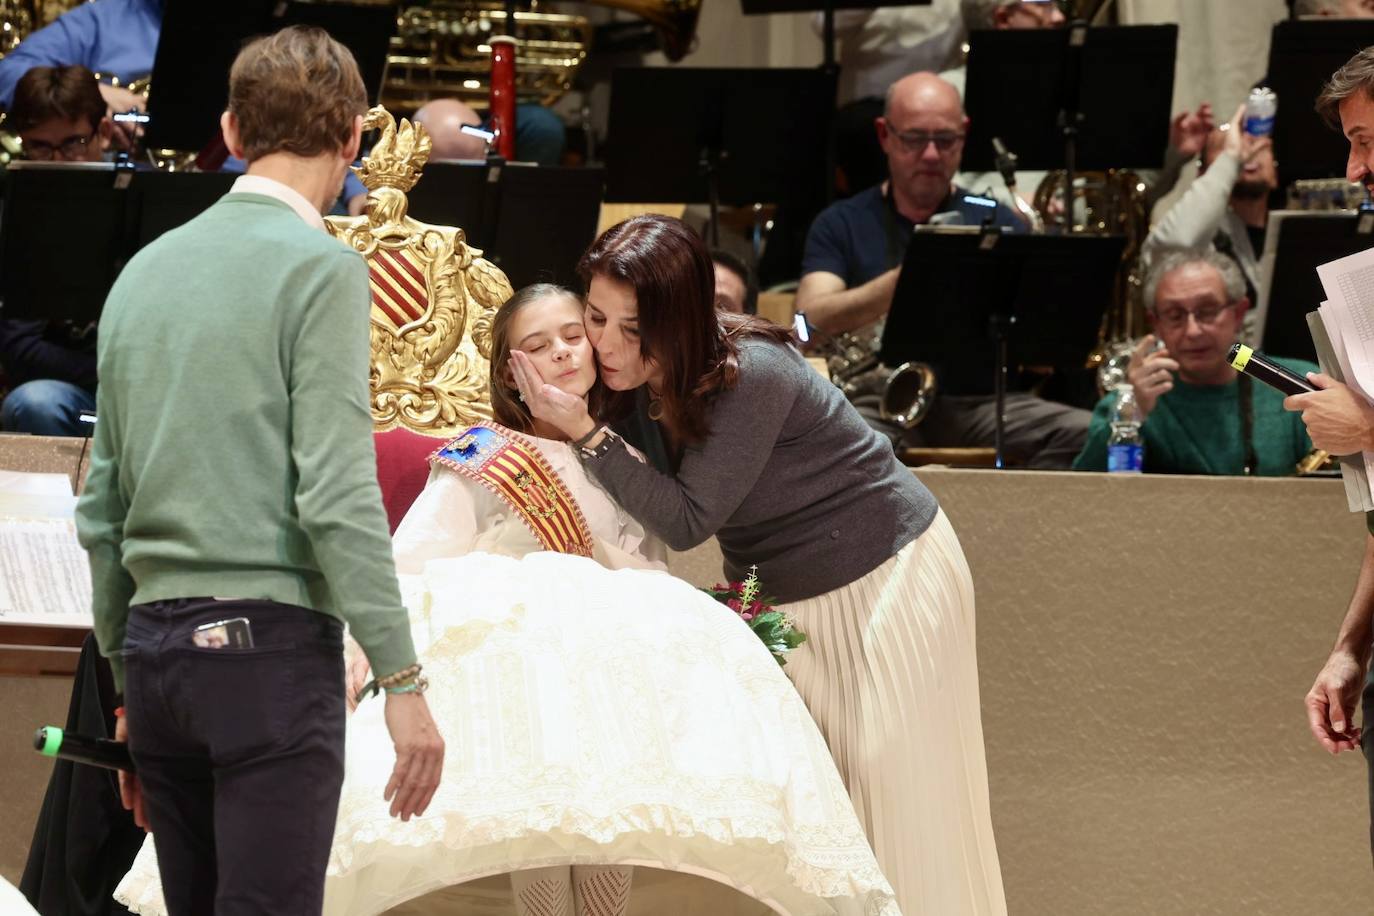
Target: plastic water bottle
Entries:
(1125, 449)
(1260, 109)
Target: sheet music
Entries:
(44, 575)
(1349, 286)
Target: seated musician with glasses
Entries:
(854, 254)
(1200, 415)
(59, 115)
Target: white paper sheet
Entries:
(1349, 286)
(44, 575)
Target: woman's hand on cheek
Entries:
(553, 405)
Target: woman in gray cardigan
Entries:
(773, 461)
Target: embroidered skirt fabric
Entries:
(891, 674)
(594, 717)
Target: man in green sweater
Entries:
(232, 513)
(1199, 415)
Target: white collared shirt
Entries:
(270, 187)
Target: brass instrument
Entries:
(1110, 203)
(1317, 461)
(441, 48)
(904, 395)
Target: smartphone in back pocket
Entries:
(234, 633)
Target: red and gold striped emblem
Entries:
(513, 469)
(398, 286)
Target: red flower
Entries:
(734, 605)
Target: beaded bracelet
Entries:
(403, 678)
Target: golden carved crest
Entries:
(433, 295)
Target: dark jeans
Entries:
(239, 752)
(47, 407)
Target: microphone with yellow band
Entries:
(1263, 369)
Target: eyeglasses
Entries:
(70, 148)
(1204, 315)
(916, 141)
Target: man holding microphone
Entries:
(1341, 421)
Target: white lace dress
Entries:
(595, 712)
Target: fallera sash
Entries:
(515, 470)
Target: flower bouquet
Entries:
(773, 627)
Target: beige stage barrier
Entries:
(1144, 647)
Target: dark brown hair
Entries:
(506, 406)
(296, 91)
(669, 268)
(46, 93)
(1354, 76)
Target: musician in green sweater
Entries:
(232, 514)
(1200, 415)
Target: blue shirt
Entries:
(112, 37)
(862, 237)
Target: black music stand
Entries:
(718, 136)
(190, 85)
(69, 228)
(534, 222)
(1302, 56)
(62, 241)
(973, 304)
(546, 218)
(453, 193)
(1295, 244)
(165, 200)
(1111, 97)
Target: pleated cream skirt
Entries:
(890, 674)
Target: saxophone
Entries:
(904, 394)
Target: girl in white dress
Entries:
(599, 713)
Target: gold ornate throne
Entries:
(433, 295)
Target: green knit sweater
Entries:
(1195, 429)
(233, 451)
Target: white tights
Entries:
(576, 890)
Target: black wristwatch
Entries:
(608, 439)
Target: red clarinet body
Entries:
(502, 110)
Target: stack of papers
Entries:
(44, 576)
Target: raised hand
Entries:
(1189, 129)
(1151, 374)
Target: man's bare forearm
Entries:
(1354, 636)
(845, 310)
